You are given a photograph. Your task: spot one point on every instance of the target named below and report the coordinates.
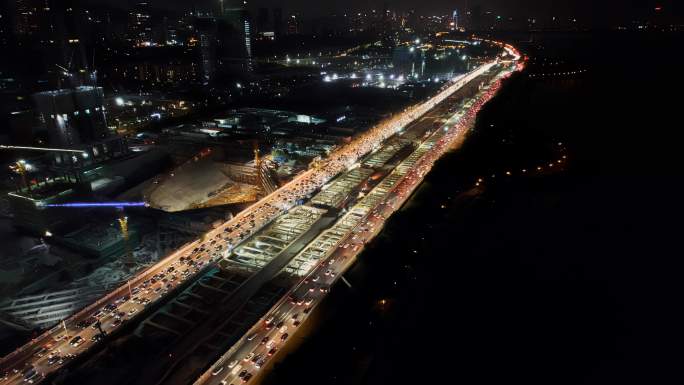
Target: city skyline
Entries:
(599, 14)
(222, 192)
(516, 8)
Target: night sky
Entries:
(597, 12)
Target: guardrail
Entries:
(100, 302)
(123, 288)
(227, 301)
(206, 375)
(415, 112)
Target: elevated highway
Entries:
(148, 288)
(335, 250)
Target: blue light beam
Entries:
(97, 204)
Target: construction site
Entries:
(212, 178)
(90, 208)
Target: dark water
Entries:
(567, 276)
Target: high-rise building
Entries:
(264, 28)
(71, 28)
(75, 121)
(206, 29)
(293, 25)
(278, 22)
(25, 18)
(140, 24)
(476, 17)
(465, 16)
(72, 115)
(247, 37)
(5, 26)
(170, 32)
(412, 20)
(58, 40)
(385, 20)
(262, 24)
(453, 24)
(235, 36)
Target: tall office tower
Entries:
(72, 116)
(5, 26)
(278, 22)
(237, 30)
(476, 18)
(74, 119)
(73, 32)
(25, 17)
(262, 23)
(169, 31)
(73, 111)
(59, 36)
(453, 25)
(385, 19)
(248, 36)
(293, 25)
(140, 24)
(412, 20)
(206, 34)
(465, 16)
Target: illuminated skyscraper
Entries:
(248, 37)
(25, 16)
(278, 22)
(5, 26)
(262, 20)
(140, 24)
(170, 32)
(293, 25)
(238, 34)
(206, 34)
(72, 116)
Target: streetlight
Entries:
(66, 331)
(21, 167)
